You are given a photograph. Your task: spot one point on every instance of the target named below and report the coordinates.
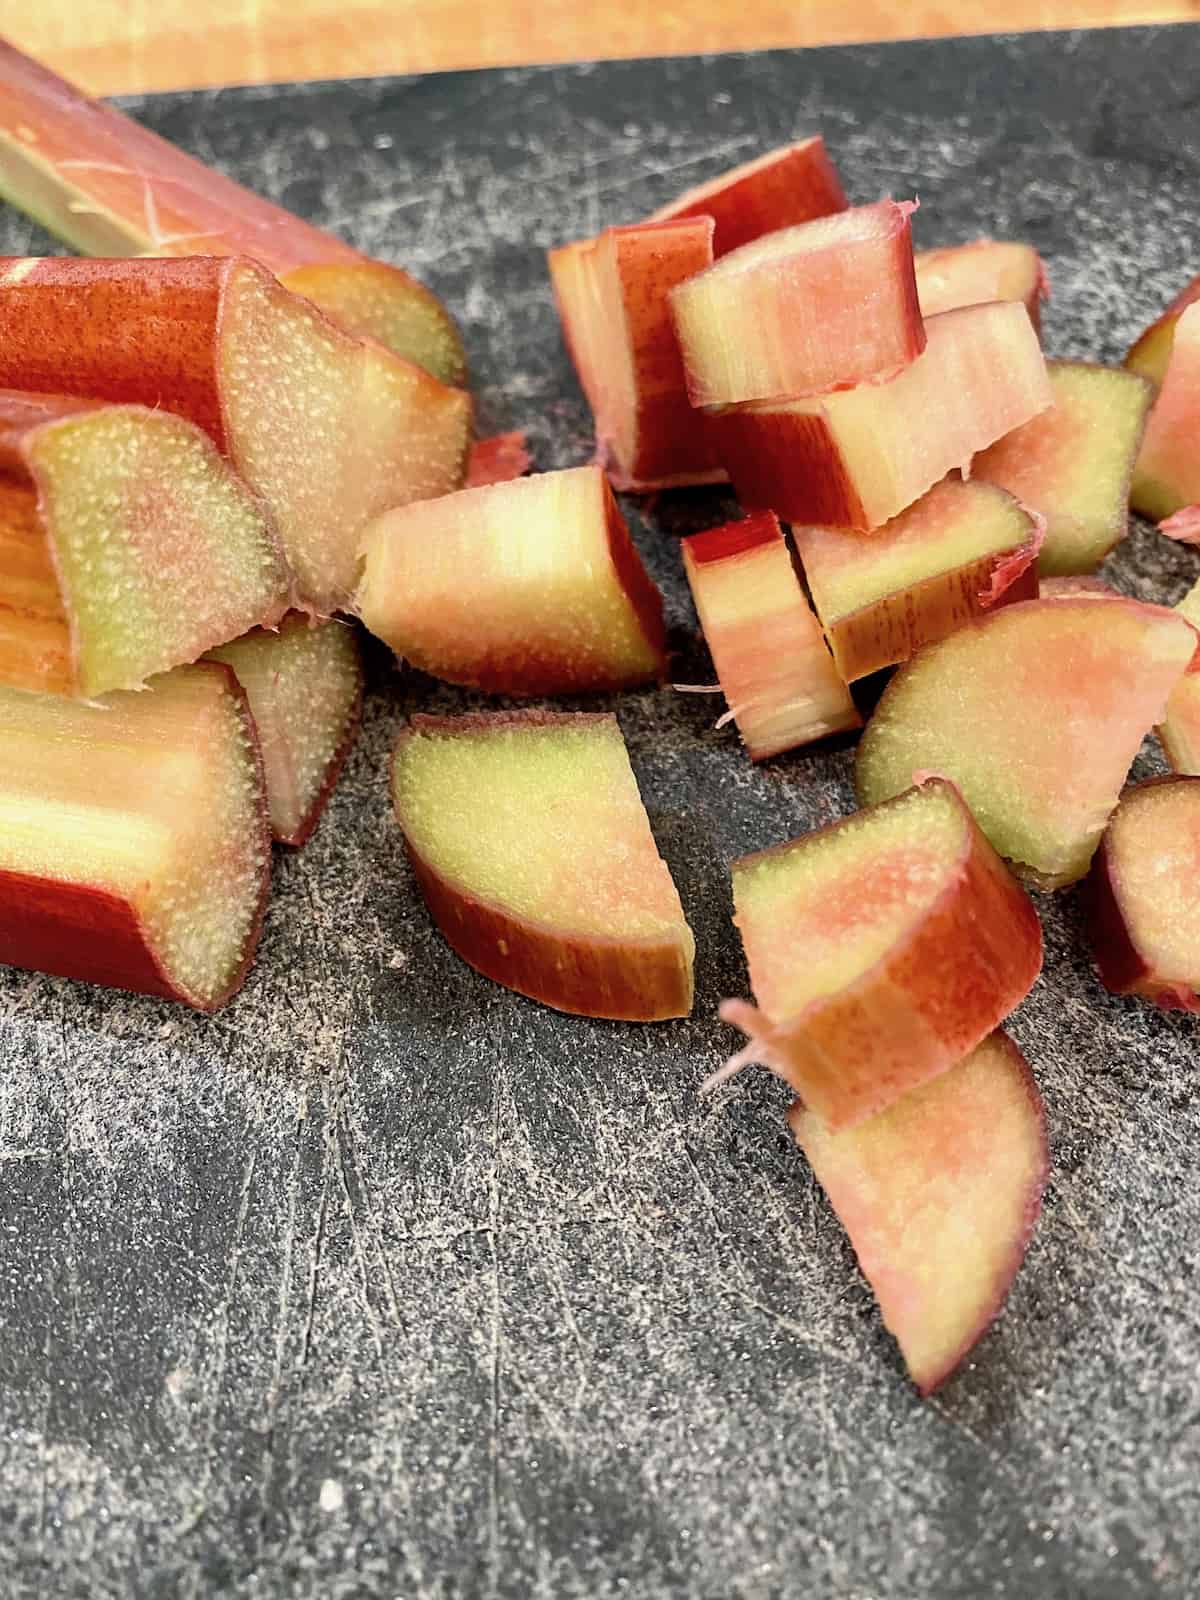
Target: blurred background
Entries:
(124, 46)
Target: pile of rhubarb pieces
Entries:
(226, 433)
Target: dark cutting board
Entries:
(387, 1283)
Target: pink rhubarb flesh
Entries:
(1151, 352)
(1167, 476)
(985, 269)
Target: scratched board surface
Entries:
(387, 1283)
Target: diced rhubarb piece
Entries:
(1074, 462)
(498, 459)
(134, 848)
(304, 685)
(775, 669)
(817, 307)
(881, 949)
(530, 587)
(940, 1195)
(857, 458)
(127, 541)
(612, 299)
(1179, 730)
(1036, 712)
(778, 190)
(1143, 894)
(112, 188)
(328, 430)
(578, 911)
(961, 549)
(985, 269)
(1151, 352)
(1167, 476)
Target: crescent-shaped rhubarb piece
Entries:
(982, 270)
(1167, 476)
(881, 949)
(775, 669)
(110, 187)
(304, 683)
(533, 850)
(134, 848)
(1143, 894)
(530, 587)
(1036, 712)
(940, 1195)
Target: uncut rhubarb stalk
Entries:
(127, 546)
(110, 187)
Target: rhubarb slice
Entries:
(881, 949)
(1073, 463)
(778, 190)
(529, 840)
(1036, 712)
(1151, 353)
(127, 546)
(961, 549)
(134, 848)
(530, 587)
(112, 188)
(985, 269)
(612, 299)
(328, 430)
(304, 685)
(1167, 476)
(940, 1195)
(1143, 895)
(497, 459)
(812, 308)
(779, 680)
(855, 459)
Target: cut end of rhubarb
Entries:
(133, 842)
(777, 674)
(529, 587)
(1151, 354)
(940, 1195)
(1036, 713)
(579, 912)
(1167, 475)
(981, 271)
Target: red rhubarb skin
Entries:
(787, 462)
(637, 583)
(800, 185)
(84, 931)
(498, 459)
(734, 538)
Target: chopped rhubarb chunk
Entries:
(961, 549)
(1167, 476)
(940, 1195)
(528, 587)
(821, 306)
(1036, 712)
(133, 840)
(768, 649)
(881, 949)
(498, 459)
(985, 269)
(1151, 353)
(855, 459)
(1073, 463)
(579, 910)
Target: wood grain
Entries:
(115, 46)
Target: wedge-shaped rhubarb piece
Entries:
(812, 308)
(940, 1195)
(778, 190)
(528, 587)
(881, 949)
(1152, 351)
(1143, 895)
(857, 458)
(328, 430)
(985, 269)
(1036, 713)
(112, 188)
(532, 848)
(960, 550)
(304, 686)
(1179, 730)
(133, 836)
(125, 539)
(1073, 463)
(612, 299)
(779, 680)
(1167, 476)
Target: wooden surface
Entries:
(115, 46)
